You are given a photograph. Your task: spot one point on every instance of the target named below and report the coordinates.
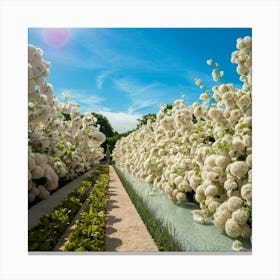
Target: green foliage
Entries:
(105, 126)
(89, 234)
(249, 210)
(242, 157)
(111, 142)
(209, 140)
(145, 118)
(112, 136)
(194, 119)
(160, 234)
(66, 117)
(46, 234)
(168, 107)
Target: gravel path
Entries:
(125, 231)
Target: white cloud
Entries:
(120, 121)
(134, 88)
(140, 104)
(101, 78)
(141, 95)
(89, 102)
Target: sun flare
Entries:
(56, 37)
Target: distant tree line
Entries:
(113, 136)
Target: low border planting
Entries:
(160, 235)
(46, 234)
(89, 233)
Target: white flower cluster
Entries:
(61, 143)
(243, 58)
(203, 149)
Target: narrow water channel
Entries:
(192, 236)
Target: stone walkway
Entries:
(125, 231)
(45, 206)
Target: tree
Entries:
(105, 126)
(145, 118)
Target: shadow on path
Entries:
(112, 244)
(111, 205)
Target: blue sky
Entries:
(124, 73)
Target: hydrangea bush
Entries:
(204, 149)
(61, 143)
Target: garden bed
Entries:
(48, 232)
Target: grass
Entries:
(163, 239)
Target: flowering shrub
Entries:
(61, 143)
(204, 149)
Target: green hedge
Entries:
(89, 234)
(46, 234)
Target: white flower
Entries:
(234, 203)
(199, 216)
(249, 160)
(34, 191)
(212, 176)
(181, 197)
(237, 246)
(240, 43)
(247, 140)
(178, 180)
(198, 112)
(211, 161)
(200, 194)
(230, 184)
(214, 75)
(239, 169)
(209, 61)
(37, 172)
(222, 161)
(29, 175)
(213, 205)
(246, 232)
(231, 193)
(220, 217)
(178, 103)
(246, 193)
(198, 82)
(204, 96)
(240, 216)
(250, 176)
(31, 163)
(241, 69)
(40, 159)
(211, 190)
(235, 114)
(66, 95)
(232, 228)
(43, 193)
